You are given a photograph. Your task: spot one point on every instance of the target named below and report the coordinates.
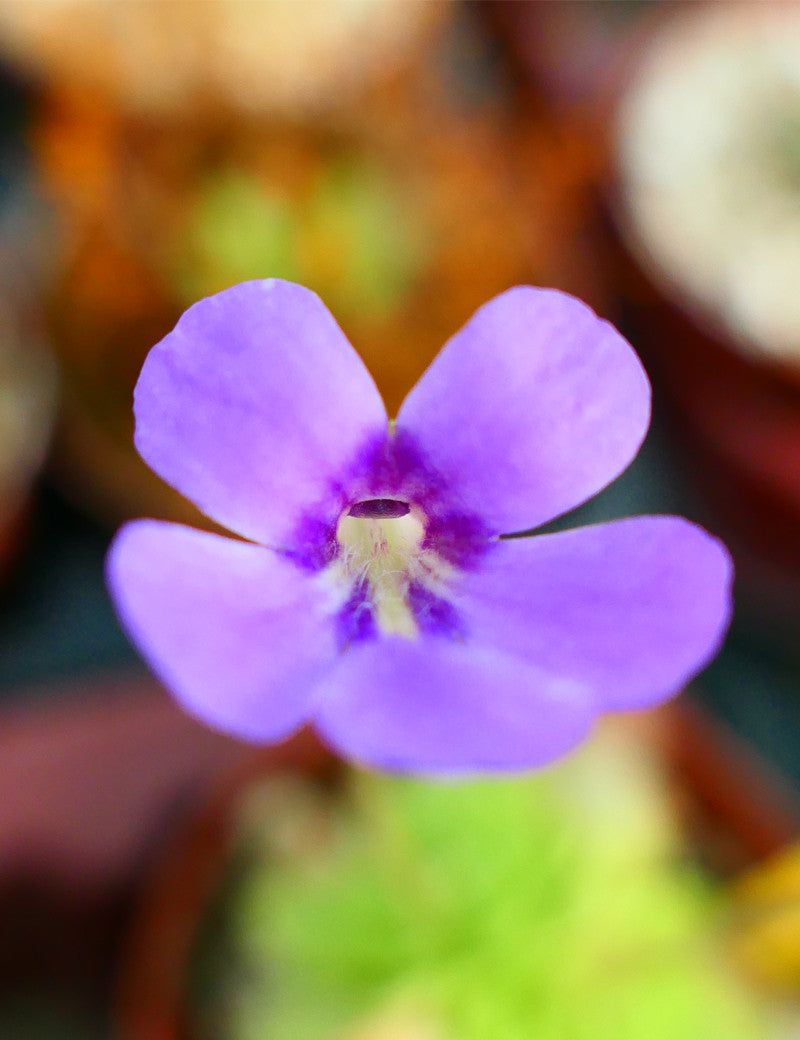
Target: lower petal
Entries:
(631, 610)
(435, 705)
(237, 632)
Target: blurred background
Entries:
(407, 160)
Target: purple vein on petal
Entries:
(355, 621)
(434, 614)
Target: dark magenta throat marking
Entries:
(380, 509)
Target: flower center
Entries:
(380, 542)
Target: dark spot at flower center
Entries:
(380, 509)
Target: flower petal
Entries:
(236, 631)
(254, 406)
(629, 610)
(533, 407)
(435, 705)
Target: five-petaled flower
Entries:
(375, 595)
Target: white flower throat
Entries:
(381, 550)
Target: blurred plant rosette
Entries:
(375, 908)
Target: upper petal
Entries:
(237, 632)
(530, 409)
(630, 610)
(254, 406)
(437, 705)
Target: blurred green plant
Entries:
(554, 907)
(355, 237)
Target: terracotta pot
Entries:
(737, 808)
(151, 1001)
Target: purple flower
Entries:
(375, 595)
